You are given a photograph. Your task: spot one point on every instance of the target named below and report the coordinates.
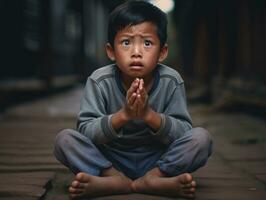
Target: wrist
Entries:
(148, 115)
(124, 116)
(119, 119)
(153, 119)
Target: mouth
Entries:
(136, 65)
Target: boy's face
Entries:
(137, 50)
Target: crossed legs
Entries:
(114, 182)
(190, 152)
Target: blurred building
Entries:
(222, 51)
(50, 44)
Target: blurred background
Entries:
(218, 46)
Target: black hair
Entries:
(133, 13)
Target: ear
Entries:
(163, 53)
(110, 51)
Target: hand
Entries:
(137, 107)
(136, 100)
(142, 100)
(130, 108)
(144, 111)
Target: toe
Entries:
(74, 190)
(190, 185)
(79, 176)
(188, 178)
(78, 185)
(185, 179)
(192, 190)
(75, 184)
(189, 190)
(193, 184)
(83, 177)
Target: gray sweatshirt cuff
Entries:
(108, 129)
(163, 132)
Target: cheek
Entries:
(121, 59)
(153, 58)
(121, 54)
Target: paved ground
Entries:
(28, 170)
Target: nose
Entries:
(136, 50)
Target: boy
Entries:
(136, 133)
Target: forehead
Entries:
(142, 29)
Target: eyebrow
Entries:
(132, 35)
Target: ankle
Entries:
(141, 184)
(111, 171)
(156, 172)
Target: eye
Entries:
(147, 43)
(125, 42)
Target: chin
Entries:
(137, 75)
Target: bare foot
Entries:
(155, 182)
(86, 185)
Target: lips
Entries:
(136, 64)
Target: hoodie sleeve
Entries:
(93, 120)
(176, 120)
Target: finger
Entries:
(136, 82)
(133, 88)
(142, 90)
(140, 105)
(143, 98)
(142, 101)
(135, 104)
(132, 99)
(141, 83)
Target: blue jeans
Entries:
(185, 154)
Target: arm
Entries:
(175, 117)
(93, 120)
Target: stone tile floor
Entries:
(29, 171)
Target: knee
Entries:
(64, 139)
(202, 138)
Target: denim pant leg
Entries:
(187, 153)
(78, 153)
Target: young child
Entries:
(134, 130)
